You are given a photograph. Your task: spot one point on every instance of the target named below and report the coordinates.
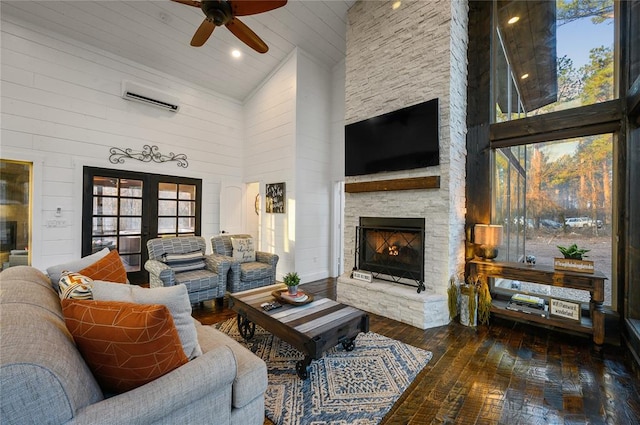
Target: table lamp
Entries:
(489, 238)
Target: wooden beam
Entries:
(430, 182)
(577, 122)
(633, 101)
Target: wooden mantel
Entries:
(430, 182)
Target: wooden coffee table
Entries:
(311, 328)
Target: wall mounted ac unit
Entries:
(144, 94)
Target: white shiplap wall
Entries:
(287, 140)
(313, 169)
(270, 132)
(61, 109)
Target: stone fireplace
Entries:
(386, 72)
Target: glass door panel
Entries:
(122, 210)
(117, 218)
(177, 208)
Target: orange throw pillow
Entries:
(109, 268)
(125, 345)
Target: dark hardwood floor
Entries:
(504, 373)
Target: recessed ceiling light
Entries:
(513, 20)
(236, 53)
(524, 76)
(396, 4)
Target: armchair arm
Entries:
(189, 388)
(160, 274)
(267, 257)
(219, 264)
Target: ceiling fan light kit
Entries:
(219, 12)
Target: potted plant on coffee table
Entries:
(292, 280)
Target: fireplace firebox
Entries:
(392, 249)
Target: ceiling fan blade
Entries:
(247, 36)
(251, 7)
(190, 3)
(203, 33)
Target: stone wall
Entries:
(398, 58)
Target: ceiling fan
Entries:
(221, 12)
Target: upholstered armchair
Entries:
(249, 268)
(182, 260)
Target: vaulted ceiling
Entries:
(157, 33)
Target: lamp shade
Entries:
(488, 234)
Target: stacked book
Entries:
(528, 304)
(299, 297)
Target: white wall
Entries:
(313, 169)
(61, 108)
(287, 140)
(270, 132)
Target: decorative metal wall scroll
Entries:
(275, 197)
(147, 154)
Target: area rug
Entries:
(344, 387)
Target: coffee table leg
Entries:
(348, 344)
(246, 327)
(302, 367)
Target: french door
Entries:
(122, 210)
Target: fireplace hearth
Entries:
(392, 249)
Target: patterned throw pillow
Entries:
(55, 272)
(75, 285)
(243, 249)
(109, 268)
(125, 345)
(185, 262)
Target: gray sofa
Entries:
(44, 380)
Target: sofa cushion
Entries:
(184, 262)
(243, 250)
(198, 280)
(55, 272)
(125, 345)
(255, 271)
(175, 298)
(109, 268)
(75, 285)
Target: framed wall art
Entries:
(275, 197)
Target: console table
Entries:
(546, 275)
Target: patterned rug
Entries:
(344, 387)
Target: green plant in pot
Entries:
(573, 252)
(292, 280)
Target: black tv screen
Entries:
(400, 140)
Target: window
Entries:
(556, 194)
(15, 212)
(551, 56)
(553, 75)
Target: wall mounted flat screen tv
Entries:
(404, 139)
